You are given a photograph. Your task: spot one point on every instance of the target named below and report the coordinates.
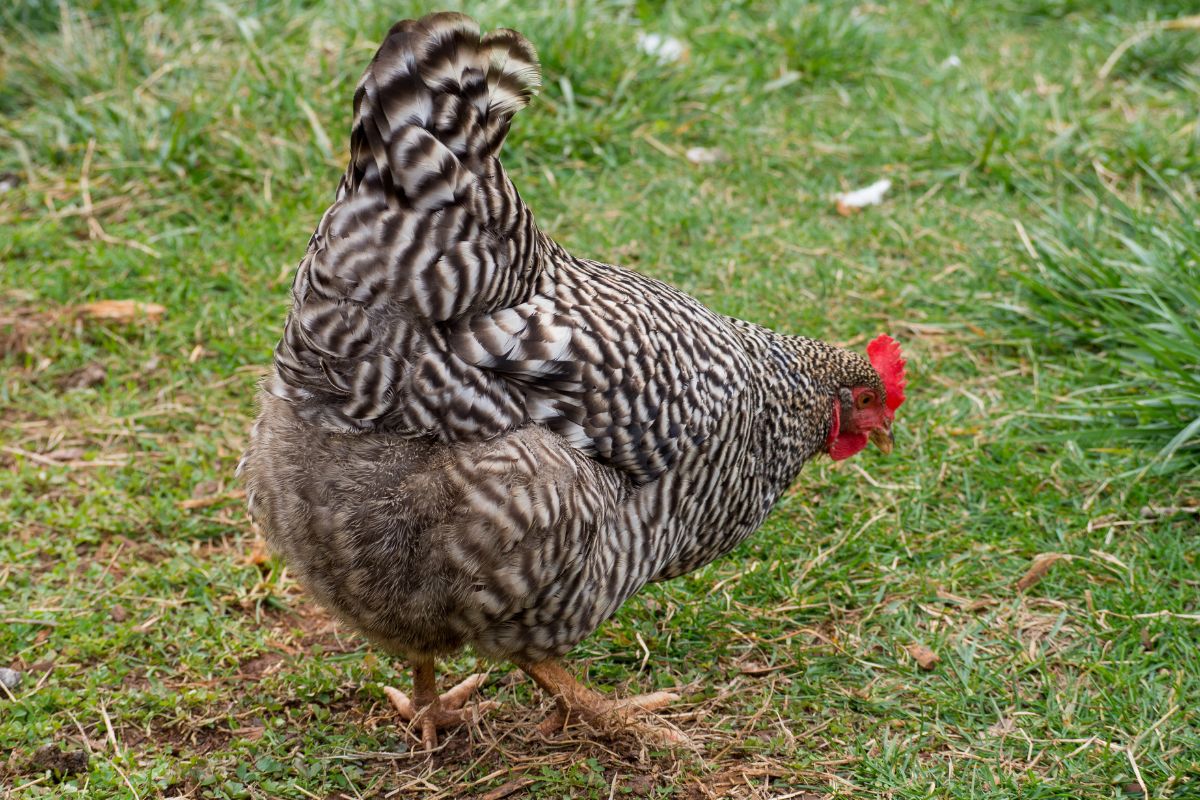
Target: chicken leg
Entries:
(431, 710)
(574, 701)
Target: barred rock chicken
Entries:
(472, 437)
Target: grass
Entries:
(1037, 256)
(1117, 287)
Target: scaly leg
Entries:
(431, 710)
(574, 701)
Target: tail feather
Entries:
(513, 75)
(425, 228)
(438, 75)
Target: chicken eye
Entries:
(865, 399)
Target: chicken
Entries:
(472, 437)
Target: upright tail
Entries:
(436, 89)
(425, 226)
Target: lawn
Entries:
(1037, 527)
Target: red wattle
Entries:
(842, 445)
(847, 445)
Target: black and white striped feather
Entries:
(471, 436)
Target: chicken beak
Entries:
(883, 439)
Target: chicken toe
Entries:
(575, 702)
(431, 711)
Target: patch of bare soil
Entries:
(50, 759)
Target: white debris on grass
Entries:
(849, 202)
(667, 49)
(786, 78)
(705, 155)
(952, 62)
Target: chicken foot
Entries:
(433, 711)
(574, 701)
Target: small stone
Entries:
(93, 374)
(9, 678)
(118, 613)
(206, 488)
(641, 785)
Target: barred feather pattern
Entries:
(473, 437)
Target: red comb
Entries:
(888, 361)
